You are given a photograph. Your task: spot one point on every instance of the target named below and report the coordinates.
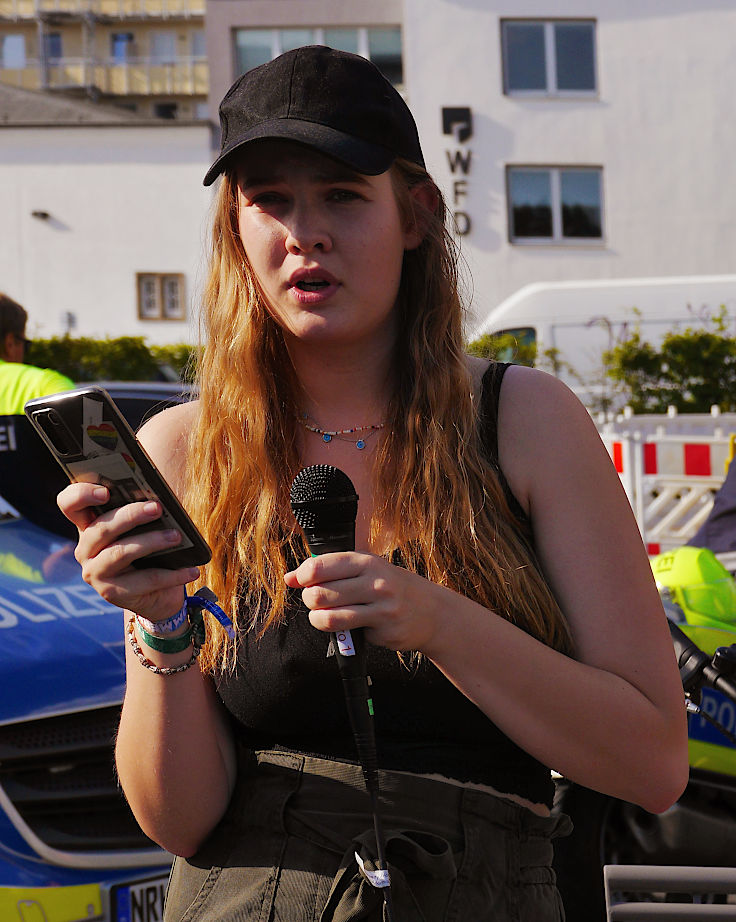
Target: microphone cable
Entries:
(325, 506)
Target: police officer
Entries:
(20, 382)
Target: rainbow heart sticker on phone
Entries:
(104, 435)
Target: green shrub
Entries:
(126, 358)
(180, 357)
(503, 347)
(692, 370)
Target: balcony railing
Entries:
(146, 77)
(25, 78)
(187, 76)
(114, 9)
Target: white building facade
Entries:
(602, 135)
(104, 227)
(573, 139)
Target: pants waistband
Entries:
(428, 800)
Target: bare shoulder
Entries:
(533, 402)
(523, 384)
(543, 427)
(533, 407)
(166, 438)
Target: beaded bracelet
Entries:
(159, 670)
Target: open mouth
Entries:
(312, 285)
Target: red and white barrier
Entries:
(670, 478)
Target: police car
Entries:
(70, 849)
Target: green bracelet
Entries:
(194, 633)
(166, 644)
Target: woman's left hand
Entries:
(349, 589)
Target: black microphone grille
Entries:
(323, 495)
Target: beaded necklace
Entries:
(328, 435)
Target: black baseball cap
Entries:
(335, 102)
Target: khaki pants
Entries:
(285, 851)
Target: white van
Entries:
(583, 319)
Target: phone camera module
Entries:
(57, 432)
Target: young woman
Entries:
(498, 573)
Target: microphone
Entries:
(325, 505)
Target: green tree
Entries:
(691, 370)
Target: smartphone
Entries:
(93, 443)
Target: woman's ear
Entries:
(424, 203)
(7, 347)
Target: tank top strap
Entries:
(490, 393)
(488, 422)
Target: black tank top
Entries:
(286, 693)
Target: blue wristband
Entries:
(161, 628)
(204, 598)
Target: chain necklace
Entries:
(328, 435)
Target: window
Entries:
(294, 38)
(198, 44)
(165, 109)
(52, 47)
(172, 287)
(553, 58)
(555, 204)
(342, 39)
(160, 296)
(384, 49)
(253, 47)
(163, 47)
(12, 52)
(382, 45)
(121, 47)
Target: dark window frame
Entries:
(551, 88)
(557, 237)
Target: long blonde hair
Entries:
(437, 495)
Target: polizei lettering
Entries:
(7, 437)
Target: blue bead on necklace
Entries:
(329, 435)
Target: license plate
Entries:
(140, 902)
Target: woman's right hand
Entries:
(106, 552)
